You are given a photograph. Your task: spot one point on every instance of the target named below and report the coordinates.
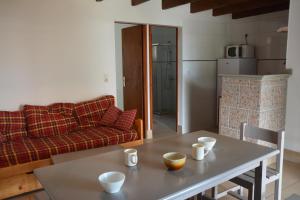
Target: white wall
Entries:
(293, 57)
(64, 50)
(270, 45)
(119, 62)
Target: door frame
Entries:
(147, 78)
(151, 74)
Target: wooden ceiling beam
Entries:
(262, 10)
(250, 5)
(166, 4)
(138, 2)
(202, 5)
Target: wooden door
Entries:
(132, 50)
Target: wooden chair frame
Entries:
(277, 138)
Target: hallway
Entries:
(164, 125)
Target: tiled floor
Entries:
(290, 182)
(164, 125)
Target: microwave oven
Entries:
(239, 51)
(233, 51)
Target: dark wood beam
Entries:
(259, 11)
(166, 4)
(137, 2)
(250, 5)
(202, 5)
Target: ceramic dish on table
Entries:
(112, 181)
(208, 142)
(174, 160)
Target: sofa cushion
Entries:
(64, 108)
(46, 121)
(13, 125)
(110, 116)
(33, 149)
(2, 138)
(89, 113)
(126, 120)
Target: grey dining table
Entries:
(78, 179)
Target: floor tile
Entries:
(291, 190)
(163, 126)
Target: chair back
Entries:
(277, 138)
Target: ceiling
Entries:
(238, 8)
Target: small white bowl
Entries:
(112, 181)
(208, 142)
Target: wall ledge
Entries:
(257, 77)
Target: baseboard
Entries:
(179, 129)
(149, 134)
(292, 156)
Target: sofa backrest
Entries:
(53, 120)
(13, 125)
(89, 113)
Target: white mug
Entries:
(130, 157)
(198, 151)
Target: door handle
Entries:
(124, 81)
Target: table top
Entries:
(150, 179)
(60, 158)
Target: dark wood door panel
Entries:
(132, 48)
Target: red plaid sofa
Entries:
(37, 132)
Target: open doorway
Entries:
(164, 80)
(147, 75)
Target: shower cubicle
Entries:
(164, 78)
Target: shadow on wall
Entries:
(200, 111)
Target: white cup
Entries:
(198, 151)
(130, 157)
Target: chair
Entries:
(246, 180)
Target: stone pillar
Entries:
(257, 100)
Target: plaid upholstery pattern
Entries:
(2, 138)
(110, 116)
(89, 113)
(126, 120)
(32, 149)
(45, 121)
(13, 125)
(64, 108)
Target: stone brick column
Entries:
(257, 100)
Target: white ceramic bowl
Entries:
(112, 181)
(208, 142)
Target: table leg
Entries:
(260, 181)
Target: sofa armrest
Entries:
(138, 126)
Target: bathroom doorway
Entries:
(164, 80)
